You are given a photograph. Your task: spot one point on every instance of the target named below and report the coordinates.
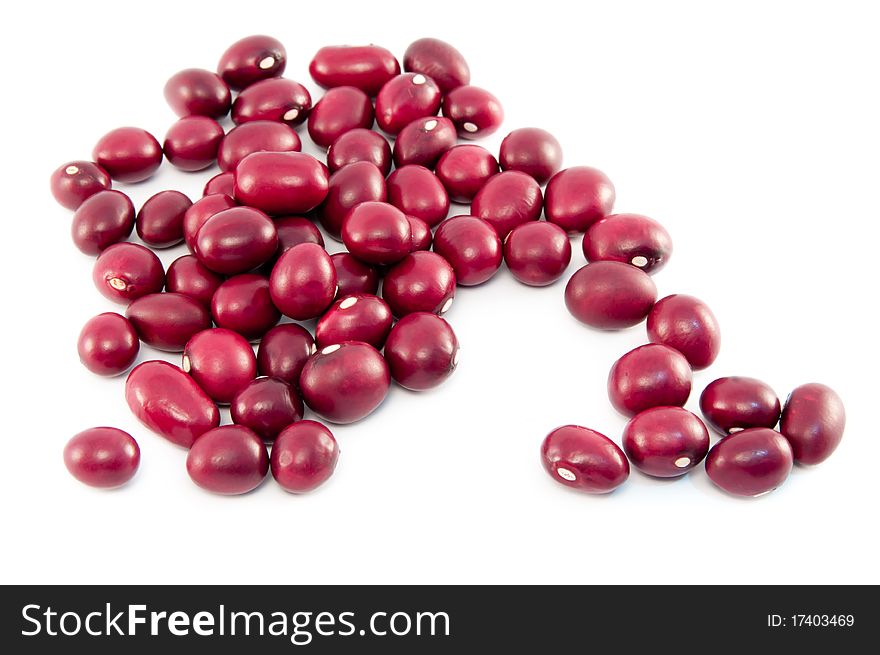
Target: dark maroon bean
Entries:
(281, 183)
(127, 271)
(170, 403)
(294, 230)
(102, 220)
(474, 111)
(360, 317)
(471, 246)
(376, 232)
(303, 282)
(688, 325)
(353, 276)
(610, 295)
(167, 320)
(421, 234)
(267, 406)
(751, 462)
(304, 456)
(283, 352)
(578, 197)
(200, 212)
(423, 142)
(236, 240)
(629, 238)
(350, 186)
(813, 422)
(197, 92)
(652, 375)
(366, 67)
(736, 403)
(72, 183)
(422, 282)
(338, 111)
(102, 457)
(228, 460)
(187, 275)
(421, 351)
(537, 253)
(532, 151)
(276, 99)
(438, 60)
(584, 459)
(360, 144)
(415, 191)
(464, 170)
(665, 442)
(243, 304)
(220, 361)
(221, 184)
(159, 223)
(345, 382)
(128, 154)
(108, 344)
(191, 144)
(405, 98)
(257, 136)
(508, 199)
(252, 59)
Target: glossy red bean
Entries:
(464, 170)
(304, 456)
(423, 142)
(340, 110)
(366, 67)
(198, 92)
(360, 144)
(102, 220)
(532, 151)
(294, 230)
(236, 240)
(415, 191)
(191, 144)
(72, 183)
(474, 111)
(220, 361)
(252, 59)
(665, 442)
(102, 457)
(405, 98)
(353, 276)
(127, 271)
(283, 352)
(243, 304)
(170, 403)
(736, 403)
(167, 320)
(276, 99)
(266, 406)
(256, 136)
(508, 199)
(688, 325)
(629, 238)
(108, 344)
(577, 197)
(439, 61)
(359, 317)
(228, 460)
(376, 232)
(537, 253)
(471, 246)
(652, 375)
(128, 154)
(813, 422)
(221, 184)
(159, 223)
(200, 212)
(345, 382)
(421, 234)
(421, 351)
(751, 462)
(281, 183)
(422, 282)
(350, 186)
(610, 295)
(584, 459)
(303, 282)
(187, 275)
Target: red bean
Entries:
(197, 92)
(170, 403)
(228, 460)
(688, 325)
(221, 184)
(188, 276)
(102, 220)
(360, 144)
(340, 110)
(350, 186)
(275, 99)
(191, 144)
(200, 212)
(665, 442)
(256, 136)
(578, 197)
(421, 234)
(366, 67)
(159, 223)
(283, 352)
(304, 456)
(737, 403)
(102, 457)
(629, 238)
(376, 232)
(345, 382)
(128, 154)
(584, 459)
(532, 151)
(127, 271)
(252, 59)
(649, 376)
(294, 230)
(423, 142)
(464, 170)
(405, 98)
(361, 317)
(508, 199)
(471, 246)
(281, 183)
(421, 351)
(415, 191)
(108, 344)
(167, 320)
(474, 111)
(813, 422)
(353, 276)
(610, 295)
(751, 462)
(438, 60)
(537, 253)
(74, 182)
(266, 406)
(236, 240)
(243, 304)
(422, 282)
(220, 361)
(303, 282)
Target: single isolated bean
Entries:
(421, 234)
(405, 98)
(813, 422)
(629, 238)
(159, 223)
(243, 304)
(376, 232)
(74, 182)
(360, 317)
(304, 456)
(750, 463)
(688, 325)
(103, 219)
(736, 403)
(360, 144)
(236, 240)
(665, 442)
(250, 60)
(415, 191)
(283, 352)
(281, 183)
(578, 197)
(424, 141)
(166, 321)
(340, 110)
(422, 351)
(222, 183)
(610, 295)
(198, 92)
(303, 282)
(228, 460)
(348, 187)
(102, 457)
(439, 61)
(652, 375)
(190, 277)
(421, 282)
(128, 154)
(471, 246)
(353, 276)
(474, 111)
(266, 406)
(200, 212)
(108, 344)
(366, 67)
(537, 253)
(584, 459)
(464, 170)
(128, 271)
(275, 99)
(191, 143)
(221, 362)
(256, 136)
(508, 199)
(532, 151)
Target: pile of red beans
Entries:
(257, 256)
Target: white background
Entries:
(750, 131)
